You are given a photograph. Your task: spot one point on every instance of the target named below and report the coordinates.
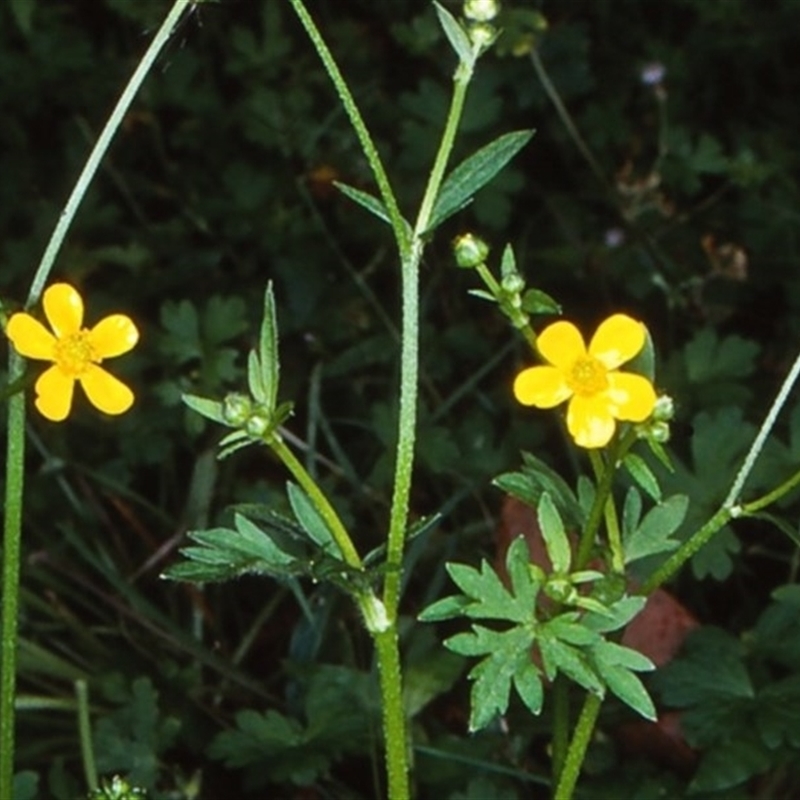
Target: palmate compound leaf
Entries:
(616, 664)
(487, 597)
(536, 478)
(652, 535)
(506, 655)
(221, 554)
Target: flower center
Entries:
(587, 376)
(75, 353)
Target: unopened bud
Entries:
(664, 409)
(482, 35)
(258, 425)
(659, 432)
(470, 251)
(236, 408)
(481, 10)
(513, 283)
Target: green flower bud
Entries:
(513, 283)
(481, 10)
(559, 588)
(236, 408)
(470, 251)
(482, 35)
(664, 409)
(258, 424)
(659, 432)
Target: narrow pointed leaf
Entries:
(456, 35)
(475, 172)
(311, 520)
(554, 535)
(264, 383)
(211, 409)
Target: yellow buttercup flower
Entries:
(76, 353)
(598, 393)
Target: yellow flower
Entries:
(75, 352)
(598, 394)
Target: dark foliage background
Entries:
(220, 180)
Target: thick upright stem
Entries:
(394, 717)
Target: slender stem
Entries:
(85, 733)
(763, 433)
(321, 503)
(610, 513)
(567, 122)
(604, 476)
(560, 725)
(518, 319)
(103, 142)
(12, 527)
(686, 551)
(729, 509)
(771, 497)
(409, 355)
(399, 225)
(577, 748)
(394, 719)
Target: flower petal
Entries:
(64, 309)
(617, 340)
(113, 336)
(106, 392)
(54, 393)
(30, 338)
(589, 420)
(561, 344)
(631, 396)
(543, 387)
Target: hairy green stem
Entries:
(604, 475)
(729, 508)
(85, 733)
(763, 433)
(12, 528)
(610, 513)
(409, 356)
(394, 717)
(103, 142)
(687, 550)
(560, 739)
(577, 748)
(321, 503)
(356, 120)
(771, 497)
